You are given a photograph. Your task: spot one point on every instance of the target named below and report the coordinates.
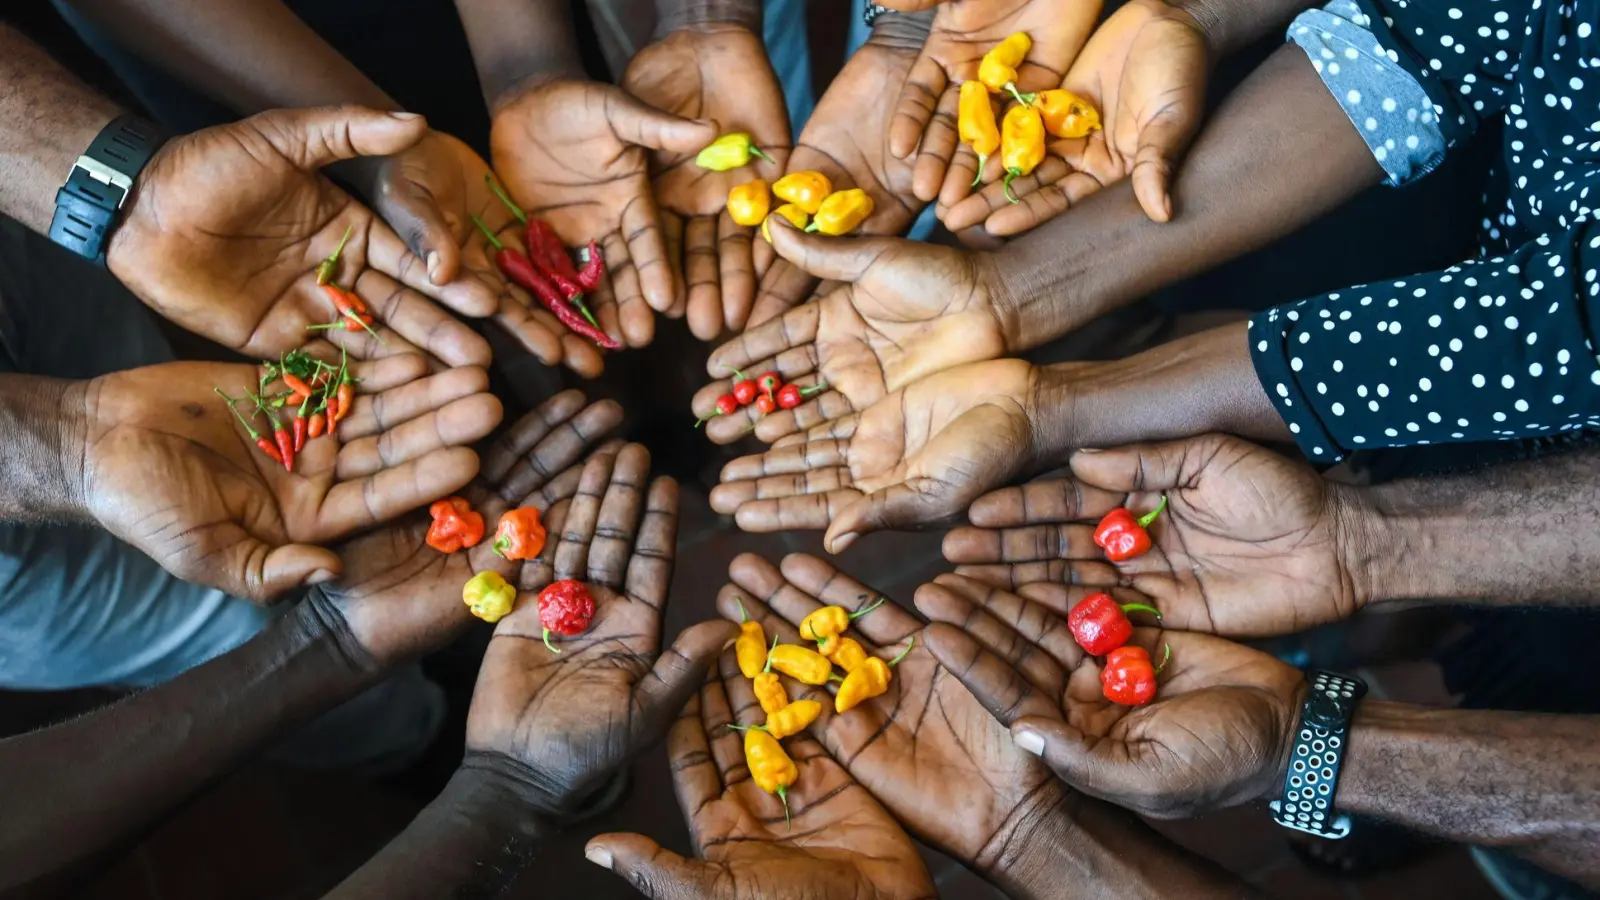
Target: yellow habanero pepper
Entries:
(793, 719)
(488, 596)
(729, 152)
(800, 663)
(748, 203)
(842, 212)
(806, 190)
(1021, 144)
(998, 71)
(976, 124)
(868, 681)
(831, 620)
(1066, 115)
(846, 653)
(770, 767)
(751, 647)
(769, 691)
(796, 216)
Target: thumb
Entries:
(315, 137)
(656, 872)
(826, 257)
(640, 123)
(1069, 754)
(677, 674)
(269, 572)
(901, 506)
(1160, 143)
(1134, 468)
(414, 214)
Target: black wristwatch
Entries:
(101, 179)
(1312, 783)
(872, 12)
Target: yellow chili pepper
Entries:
(796, 216)
(748, 203)
(488, 596)
(806, 190)
(729, 152)
(831, 620)
(800, 663)
(842, 212)
(845, 653)
(793, 719)
(868, 681)
(769, 690)
(998, 71)
(1066, 115)
(770, 767)
(1021, 144)
(751, 647)
(976, 124)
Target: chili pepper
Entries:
(488, 596)
(998, 70)
(327, 267)
(344, 301)
(1123, 536)
(769, 382)
(771, 768)
(792, 395)
(976, 124)
(727, 405)
(265, 445)
(1128, 678)
(300, 425)
(520, 270)
(594, 268)
(787, 721)
(455, 527)
(805, 189)
(549, 255)
(565, 608)
(769, 691)
(832, 620)
(520, 535)
(347, 399)
(317, 425)
(1100, 626)
(796, 216)
(842, 212)
(748, 203)
(800, 663)
(294, 383)
(870, 679)
(333, 413)
(1066, 115)
(280, 435)
(744, 388)
(354, 321)
(1021, 144)
(751, 646)
(845, 652)
(729, 152)
(766, 405)
(505, 198)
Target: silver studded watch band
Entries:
(1312, 783)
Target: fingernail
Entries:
(320, 576)
(1030, 742)
(405, 116)
(730, 643)
(433, 266)
(600, 856)
(843, 542)
(1088, 449)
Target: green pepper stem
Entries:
(983, 160)
(550, 646)
(815, 389)
(783, 794)
(748, 727)
(835, 677)
(493, 241)
(743, 616)
(1166, 657)
(499, 546)
(254, 435)
(351, 314)
(1010, 174)
(1024, 99)
(577, 300)
(326, 267)
(769, 654)
(505, 198)
(861, 612)
(1141, 607)
(905, 653)
(1147, 518)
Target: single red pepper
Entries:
(520, 534)
(1100, 626)
(792, 395)
(317, 425)
(565, 608)
(455, 525)
(594, 270)
(769, 383)
(1128, 678)
(344, 301)
(520, 270)
(766, 405)
(1123, 536)
(295, 383)
(744, 388)
(300, 425)
(727, 405)
(261, 442)
(280, 436)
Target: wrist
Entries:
(319, 620)
(491, 789)
(707, 15)
(904, 32)
(47, 420)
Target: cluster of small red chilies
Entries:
(1101, 626)
(314, 396)
(546, 271)
(351, 311)
(768, 394)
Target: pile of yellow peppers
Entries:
(1020, 138)
(809, 200)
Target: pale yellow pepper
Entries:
(729, 152)
(870, 680)
(488, 596)
(1021, 144)
(751, 646)
(800, 663)
(796, 216)
(842, 212)
(805, 189)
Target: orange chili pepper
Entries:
(805, 189)
(455, 525)
(520, 535)
(1066, 115)
(748, 203)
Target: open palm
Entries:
(1248, 546)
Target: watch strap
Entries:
(872, 11)
(1312, 783)
(100, 181)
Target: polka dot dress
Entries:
(1498, 347)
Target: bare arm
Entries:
(41, 480)
(515, 39)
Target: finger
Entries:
(653, 871)
(1049, 500)
(635, 319)
(539, 573)
(694, 774)
(887, 624)
(675, 677)
(1161, 142)
(374, 413)
(754, 579)
(727, 750)
(742, 702)
(456, 424)
(1002, 690)
(639, 123)
(924, 85)
(736, 270)
(1029, 544)
(618, 519)
(765, 346)
(376, 376)
(528, 431)
(784, 286)
(546, 442)
(564, 486)
(672, 229)
(797, 459)
(701, 277)
(829, 406)
(386, 494)
(649, 573)
(902, 506)
(572, 550)
(319, 136)
(1072, 756)
(1139, 468)
(827, 257)
(1018, 577)
(647, 247)
(939, 144)
(538, 333)
(267, 572)
(1007, 626)
(415, 216)
(388, 254)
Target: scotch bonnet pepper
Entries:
(845, 652)
(793, 719)
(1021, 144)
(1065, 114)
(1100, 626)
(975, 121)
(748, 203)
(870, 679)
(520, 534)
(796, 216)
(769, 692)
(488, 596)
(565, 608)
(455, 525)
(805, 189)
(842, 212)
(1129, 679)
(729, 152)
(771, 768)
(831, 620)
(998, 70)
(1122, 536)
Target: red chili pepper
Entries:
(727, 405)
(520, 270)
(769, 383)
(347, 398)
(327, 267)
(549, 253)
(317, 425)
(1100, 626)
(792, 395)
(593, 271)
(261, 442)
(565, 608)
(766, 405)
(1123, 536)
(1128, 678)
(295, 383)
(455, 525)
(285, 442)
(300, 426)
(744, 392)
(333, 412)
(344, 301)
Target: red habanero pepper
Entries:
(766, 405)
(565, 608)
(1123, 536)
(1128, 678)
(456, 525)
(261, 442)
(520, 270)
(1100, 626)
(594, 269)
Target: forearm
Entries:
(672, 15)
(200, 41)
(1232, 25)
(470, 842)
(78, 788)
(45, 423)
(47, 119)
(517, 39)
(1519, 781)
(1278, 154)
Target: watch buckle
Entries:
(105, 175)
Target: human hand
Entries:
(574, 153)
(1218, 733)
(563, 723)
(717, 72)
(917, 457)
(924, 749)
(1251, 544)
(834, 840)
(400, 599)
(1145, 70)
(167, 468)
(225, 227)
(904, 310)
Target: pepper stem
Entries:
(499, 546)
(1141, 607)
(552, 647)
(743, 616)
(983, 160)
(1147, 518)
(505, 198)
(1011, 174)
(813, 228)
(815, 389)
(783, 794)
(756, 152)
(351, 314)
(577, 300)
(861, 612)
(254, 435)
(747, 727)
(769, 654)
(905, 653)
(835, 677)
(1166, 657)
(1024, 99)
